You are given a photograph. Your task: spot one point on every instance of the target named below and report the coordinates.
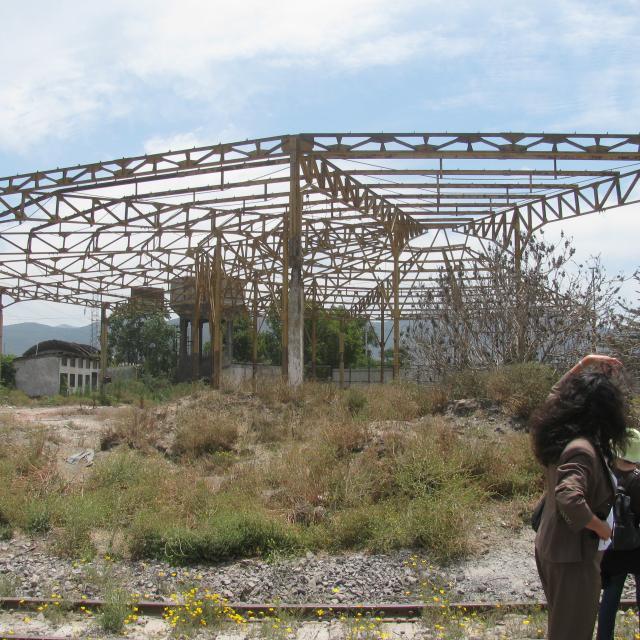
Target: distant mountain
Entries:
(19, 337)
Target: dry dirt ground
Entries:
(501, 570)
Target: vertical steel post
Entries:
(521, 315)
(104, 342)
(210, 285)
(216, 337)
(182, 356)
(195, 321)
(254, 335)
(314, 337)
(229, 340)
(341, 351)
(396, 310)
(284, 302)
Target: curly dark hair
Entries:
(588, 405)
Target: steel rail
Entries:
(316, 610)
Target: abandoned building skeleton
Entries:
(351, 223)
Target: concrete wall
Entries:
(123, 373)
(237, 373)
(38, 376)
(366, 376)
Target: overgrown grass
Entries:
(280, 472)
(518, 388)
(201, 431)
(115, 610)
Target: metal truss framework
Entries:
(357, 222)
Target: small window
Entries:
(87, 381)
(79, 380)
(72, 362)
(72, 380)
(87, 364)
(65, 360)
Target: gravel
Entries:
(503, 571)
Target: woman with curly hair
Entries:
(574, 434)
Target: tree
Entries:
(544, 308)
(624, 338)
(7, 371)
(327, 339)
(242, 340)
(145, 338)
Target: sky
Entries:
(85, 81)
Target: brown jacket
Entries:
(577, 487)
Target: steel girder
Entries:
(374, 205)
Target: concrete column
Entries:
(295, 320)
(382, 341)
(1, 328)
(367, 351)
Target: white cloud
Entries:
(75, 64)
(609, 234)
(174, 142)
(72, 64)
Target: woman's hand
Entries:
(606, 364)
(599, 527)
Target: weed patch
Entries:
(226, 536)
(202, 432)
(115, 611)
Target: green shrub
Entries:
(352, 528)
(9, 585)
(355, 401)
(504, 466)
(520, 388)
(443, 521)
(202, 432)
(468, 383)
(395, 401)
(38, 518)
(73, 538)
(226, 536)
(114, 611)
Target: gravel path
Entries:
(502, 572)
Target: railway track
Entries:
(307, 610)
(384, 612)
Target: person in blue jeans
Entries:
(616, 565)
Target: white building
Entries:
(56, 366)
